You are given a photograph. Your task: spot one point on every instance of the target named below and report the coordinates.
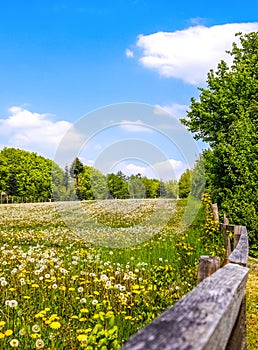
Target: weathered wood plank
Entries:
(207, 266)
(240, 253)
(202, 320)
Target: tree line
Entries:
(226, 117)
(28, 177)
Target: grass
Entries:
(252, 304)
(88, 277)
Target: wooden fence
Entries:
(211, 316)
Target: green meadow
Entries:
(65, 286)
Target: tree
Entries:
(184, 184)
(226, 116)
(29, 176)
(136, 186)
(171, 187)
(75, 169)
(117, 185)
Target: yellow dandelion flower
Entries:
(8, 332)
(82, 319)
(35, 285)
(2, 323)
(82, 337)
(55, 325)
(2, 335)
(35, 335)
(84, 310)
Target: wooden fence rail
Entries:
(210, 317)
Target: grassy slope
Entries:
(252, 305)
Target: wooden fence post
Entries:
(207, 266)
(215, 212)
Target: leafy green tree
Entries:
(162, 189)
(184, 184)
(151, 187)
(118, 185)
(171, 187)
(136, 186)
(28, 176)
(226, 116)
(75, 169)
(198, 180)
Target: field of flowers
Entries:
(70, 288)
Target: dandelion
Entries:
(2, 323)
(82, 337)
(14, 343)
(55, 325)
(35, 328)
(8, 332)
(39, 344)
(122, 288)
(80, 289)
(94, 302)
(13, 303)
(84, 310)
(2, 335)
(104, 278)
(22, 332)
(108, 285)
(83, 300)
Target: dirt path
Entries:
(252, 305)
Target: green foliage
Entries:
(27, 175)
(136, 187)
(226, 117)
(92, 184)
(198, 180)
(171, 188)
(117, 185)
(75, 169)
(184, 184)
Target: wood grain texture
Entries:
(207, 266)
(202, 320)
(240, 253)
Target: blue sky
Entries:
(61, 60)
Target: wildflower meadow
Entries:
(62, 290)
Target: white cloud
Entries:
(135, 169)
(189, 54)
(174, 109)
(129, 53)
(134, 126)
(169, 169)
(33, 131)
